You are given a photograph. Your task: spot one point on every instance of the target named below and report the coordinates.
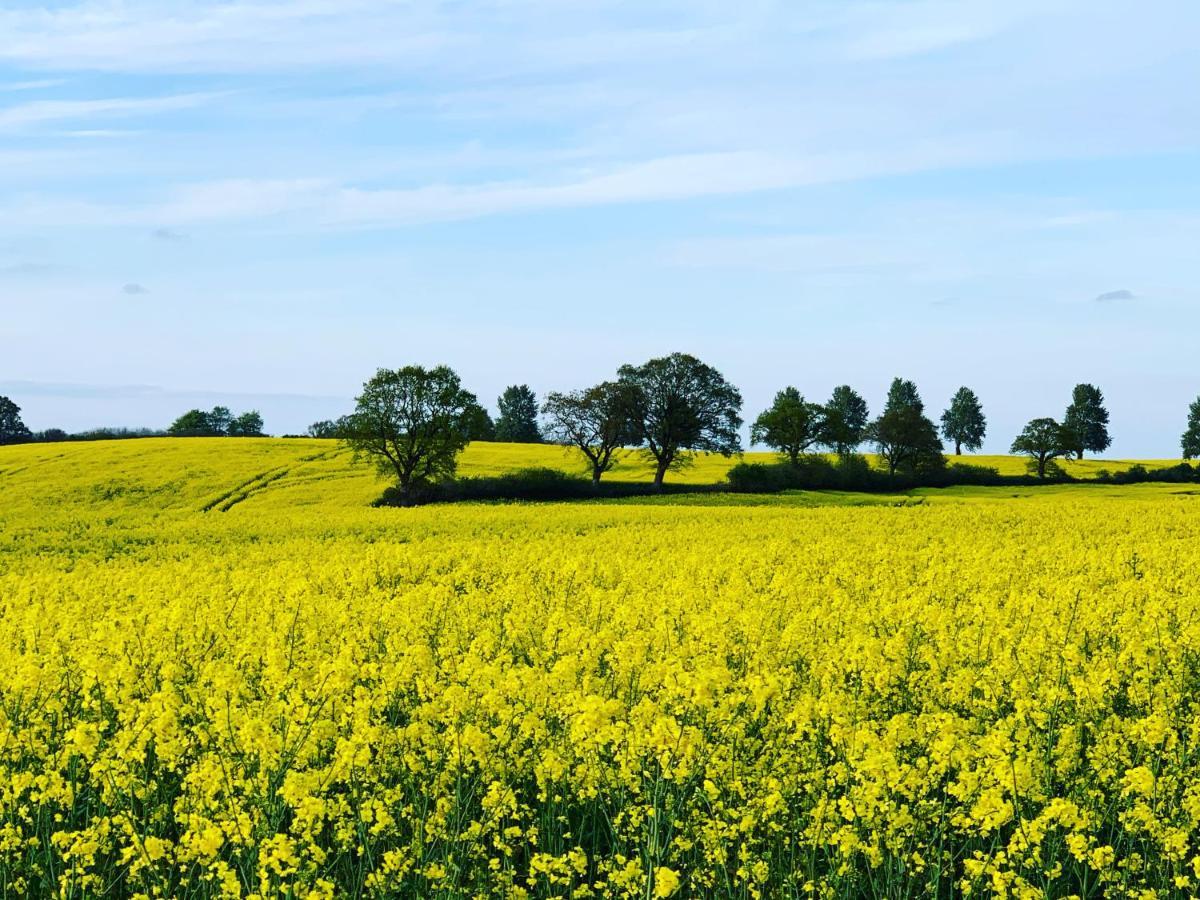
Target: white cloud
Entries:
(40, 112)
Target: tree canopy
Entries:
(1045, 440)
(217, 422)
(596, 421)
(1191, 437)
(412, 422)
(12, 429)
(792, 425)
(1087, 418)
(518, 416)
(905, 438)
(682, 405)
(844, 421)
(963, 422)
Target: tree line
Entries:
(414, 421)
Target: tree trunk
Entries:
(596, 473)
(660, 472)
(958, 448)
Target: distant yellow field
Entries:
(286, 472)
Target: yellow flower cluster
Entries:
(322, 699)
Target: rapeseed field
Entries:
(225, 674)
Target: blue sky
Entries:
(259, 203)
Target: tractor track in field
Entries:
(245, 489)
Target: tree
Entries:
(596, 421)
(1191, 437)
(682, 405)
(481, 427)
(328, 428)
(792, 425)
(963, 423)
(193, 423)
(412, 422)
(904, 436)
(1087, 418)
(1045, 440)
(844, 421)
(220, 419)
(248, 424)
(12, 429)
(518, 416)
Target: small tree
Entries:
(1191, 437)
(595, 421)
(792, 425)
(518, 416)
(1087, 418)
(963, 423)
(248, 424)
(193, 423)
(1045, 440)
(328, 428)
(412, 422)
(844, 421)
(905, 438)
(220, 420)
(682, 405)
(12, 429)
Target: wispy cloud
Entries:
(1113, 296)
(34, 85)
(40, 112)
(134, 289)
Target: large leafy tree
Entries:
(844, 421)
(12, 429)
(904, 436)
(596, 421)
(682, 405)
(1088, 419)
(963, 422)
(518, 416)
(412, 422)
(1191, 437)
(1045, 440)
(792, 425)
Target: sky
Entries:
(258, 204)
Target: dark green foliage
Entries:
(844, 421)
(851, 473)
(1088, 419)
(792, 425)
(412, 422)
(1191, 437)
(1045, 440)
(218, 422)
(1183, 473)
(963, 423)
(904, 436)
(329, 428)
(528, 485)
(682, 405)
(12, 429)
(518, 423)
(596, 421)
(248, 424)
(51, 436)
(480, 426)
(193, 423)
